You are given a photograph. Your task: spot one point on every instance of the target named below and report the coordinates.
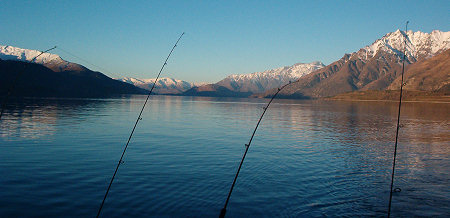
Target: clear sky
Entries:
(132, 38)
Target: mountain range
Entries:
(163, 86)
(235, 85)
(269, 79)
(374, 67)
(51, 76)
(245, 85)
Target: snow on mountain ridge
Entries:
(419, 45)
(163, 85)
(57, 64)
(165, 80)
(263, 81)
(19, 54)
(293, 72)
(52, 61)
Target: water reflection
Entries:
(33, 118)
(308, 158)
(362, 134)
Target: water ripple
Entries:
(308, 158)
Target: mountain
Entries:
(269, 79)
(214, 90)
(374, 67)
(163, 86)
(419, 45)
(52, 61)
(427, 80)
(431, 74)
(51, 76)
(246, 84)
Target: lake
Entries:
(308, 158)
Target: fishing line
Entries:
(11, 88)
(247, 146)
(86, 61)
(135, 124)
(398, 125)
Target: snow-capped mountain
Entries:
(163, 85)
(52, 61)
(263, 81)
(419, 45)
(20, 54)
(373, 67)
(51, 76)
(57, 64)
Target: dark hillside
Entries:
(40, 81)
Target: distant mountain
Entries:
(269, 79)
(214, 90)
(245, 84)
(163, 86)
(50, 75)
(374, 67)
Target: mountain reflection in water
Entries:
(308, 158)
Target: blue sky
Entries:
(132, 38)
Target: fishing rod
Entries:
(11, 88)
(398, 125)
(135, 124)
(247, 146)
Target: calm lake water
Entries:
(308, 158)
